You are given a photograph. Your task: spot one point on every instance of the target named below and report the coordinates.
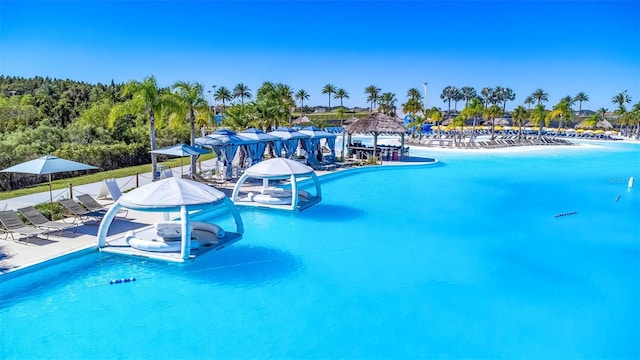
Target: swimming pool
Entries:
(464, 259)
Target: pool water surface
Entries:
(466, 258)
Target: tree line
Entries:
(117, 124)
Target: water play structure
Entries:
(286, 175)
(172, 240)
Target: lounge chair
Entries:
(80, 213)
(217, 181)
(317, 165)
(113, 188)
(93, 205)
(11, 224)
(38, 220)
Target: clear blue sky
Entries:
(563, 47)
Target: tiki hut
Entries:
(301, 121)
(586, 124)
(604, 124)
(350, 120)
(376, 124)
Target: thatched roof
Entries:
(497, 121)
(585, 124)
(604, 124)
(301, 120)
(377, 123)
(350, 120)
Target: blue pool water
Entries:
(463, 259)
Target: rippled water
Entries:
(463, 259)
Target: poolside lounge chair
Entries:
(11, 224)
(80, 213)
(90, 203)
(317, 165)
(38, 220)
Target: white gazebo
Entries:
(288, 196)
(172, 240)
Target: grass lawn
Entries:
(96, 177)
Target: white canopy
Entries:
(280, 168)
(170, 193)
(277, 168)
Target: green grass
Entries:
(95, 177)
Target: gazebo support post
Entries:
(294, 192)
(185, 246)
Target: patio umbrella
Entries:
(48, 165)
(181, 150)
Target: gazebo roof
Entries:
(377, 123)
(277, 168)
(170, 193)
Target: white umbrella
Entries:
(181, 150)
(48, 165)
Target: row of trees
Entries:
(486, 106)
(92, 122)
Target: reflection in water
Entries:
(244, 265)
(331, 212)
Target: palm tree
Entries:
(301, 96)
(507, 95)
(602, 111)
(540, 96)
(539, 117)
(520, 116)
(329, 89)
(580, 98)
(190, 101)
(473, 109)
(468, 93)
(388, 103)
(561, 110)
(341, 94)
(491, 113)
(436, 117)
(224, 96)
(414, 94)
(374, 95)
(448, 94)
(241, 91)
(412, 106)
(148, 96)
(488, 96)
(621, 99)
(528, 101)
(457, 96)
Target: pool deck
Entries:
(16, 256)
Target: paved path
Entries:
(92, 189)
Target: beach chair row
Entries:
(12, 225)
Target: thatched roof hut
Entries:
(376, 124)
(585, 124)
(350, 120)
(604, 124)
(302, 120)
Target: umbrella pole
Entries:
(50, 198)
(181, 170)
